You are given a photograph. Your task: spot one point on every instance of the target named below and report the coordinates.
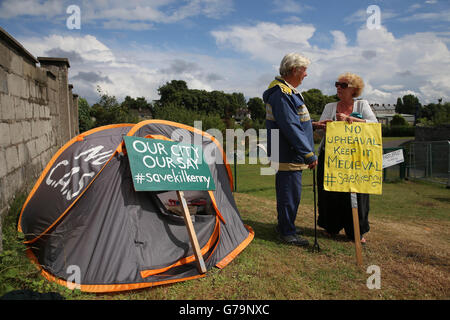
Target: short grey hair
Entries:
(293, 60)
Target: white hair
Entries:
(293, 60)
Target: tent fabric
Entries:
(83, 212)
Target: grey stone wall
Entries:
(38, 114)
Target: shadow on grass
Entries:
(441, 199)
(266, 231)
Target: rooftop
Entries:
(51, 60)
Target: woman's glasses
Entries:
(343, 85)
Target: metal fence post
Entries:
(235, 170)
(431, 160)
(411, 163)
(402, 167)
(448, 170)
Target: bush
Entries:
(398, 120)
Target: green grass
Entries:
(417, 200)
(250, 181)
(409, 240)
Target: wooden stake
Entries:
(356, 231)
(192, 235)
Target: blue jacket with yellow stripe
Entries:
(286, 111)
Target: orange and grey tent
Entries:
(83, 215)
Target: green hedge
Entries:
(398, 131)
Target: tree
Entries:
(85, 121)
(399, 105)
(172, 92)
(315, 101)
(247, 123)
(409, 104)
(176, 93)
(218, 101)
(398, 120)
(257, 108)
(435, 113)
(108, 111)
(139, 103)
(236, 102)
(138, 106)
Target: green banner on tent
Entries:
(158, 165)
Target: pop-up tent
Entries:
(84, 222)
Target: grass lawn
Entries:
(409, 241)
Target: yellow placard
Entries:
(353, 157)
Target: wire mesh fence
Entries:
(429, 161)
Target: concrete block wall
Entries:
(38, 114)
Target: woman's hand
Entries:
(313, 164)
(344, 117)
